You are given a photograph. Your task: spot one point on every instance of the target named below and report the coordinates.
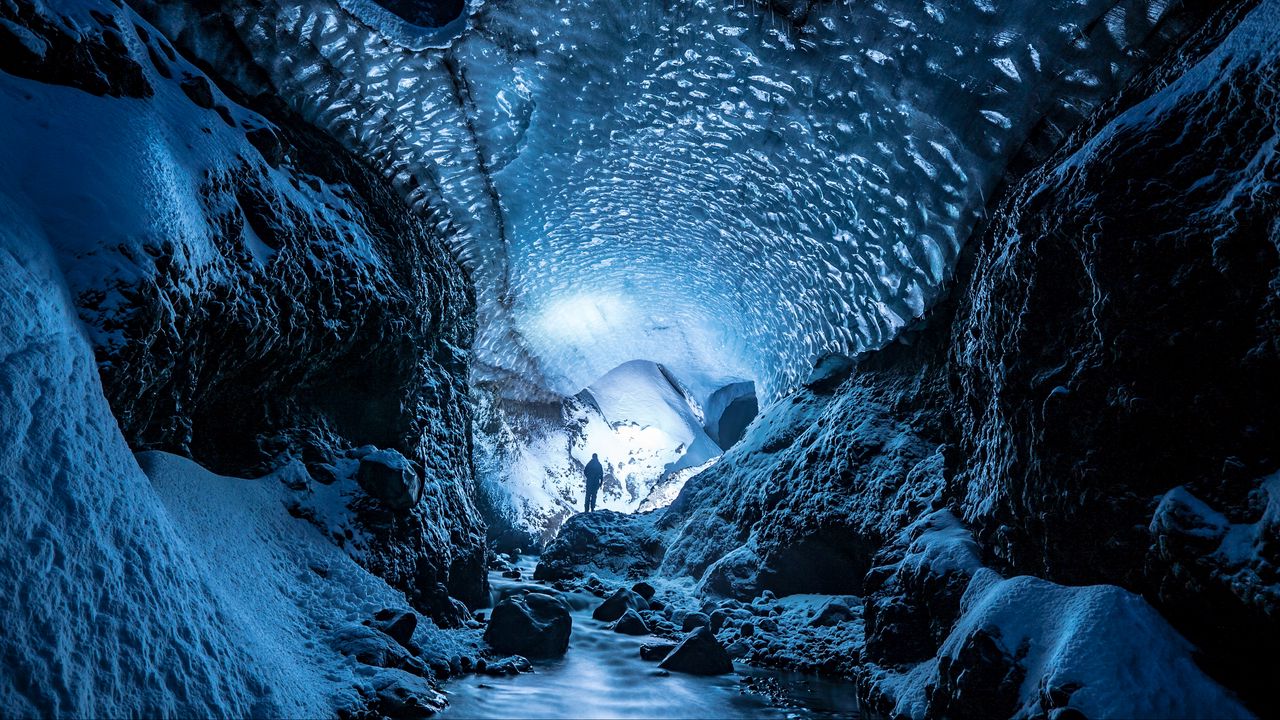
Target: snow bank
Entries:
(107, 610)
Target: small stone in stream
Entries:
(643, 589)
(768, 625)
(513, 574)
(747, 629)
(513, 665)
(480, 615)
(700, 653)
(717, 620)
(618, 604)
(654, 652)
(534, 625)
(738, 648)
(694, 620)
(657, 605)
(631, 624)
(833, 613)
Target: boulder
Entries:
(390, 477)
(535, 625)
(695, 620)
(631, 624)
(618, 604)
(700, 653)
(644, 590)
(398, 625)
(654, 652)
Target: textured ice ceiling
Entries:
(728, 188)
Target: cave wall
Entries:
(255, 294)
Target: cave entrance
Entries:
(653, 428)
(653, 431)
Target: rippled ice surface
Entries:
(602, 676)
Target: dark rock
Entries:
(375, 648)
(397, 695)
(631, 624)
(513, 665)
(390, 477)
(657, 605)
(644, 590)
(398, 625)
(700, 653)
(199, 89)
(981, 681)
(654, 652)
(747, 629)
(624, 544)
(534, 625)
(618, 604)
(268, 143)
(693, 621)
(717, 620)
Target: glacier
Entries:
(614, 174)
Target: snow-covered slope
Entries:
(117, 595)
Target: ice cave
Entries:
(901, 359)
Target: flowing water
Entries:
(602, 676)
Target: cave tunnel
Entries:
(671, 358)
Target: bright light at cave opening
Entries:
(583, 317)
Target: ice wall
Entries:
(717, 186)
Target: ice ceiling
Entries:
(728, 188)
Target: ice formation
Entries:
(615, 174)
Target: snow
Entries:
(1120, 655)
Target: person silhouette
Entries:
(595, 474)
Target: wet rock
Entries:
(631, 624)
(398, 695)
(694, 620)
(507, 666)
(534, 625)
(700, 653)
(390, 477)
(644, 590)
(618, 604)
(654, 652)
(717, 620)
(375, 648)
(747, 629)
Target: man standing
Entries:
(595, 474)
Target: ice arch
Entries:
(728, 188)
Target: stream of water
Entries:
(602, 676)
